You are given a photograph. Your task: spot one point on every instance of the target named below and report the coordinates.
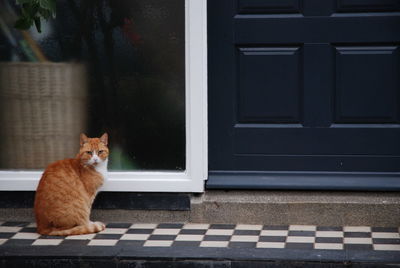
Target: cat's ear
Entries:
(104, 138)
(84, 139)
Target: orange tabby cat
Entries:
(67, 189)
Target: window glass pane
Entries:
(113, 66)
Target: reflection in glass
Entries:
(115, 66)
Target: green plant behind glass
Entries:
(32, 11)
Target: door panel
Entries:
(293, 140)
(306, 86)
(367, 5)
(268, 6)
(367, 85)
(264, 98)
(294, 28)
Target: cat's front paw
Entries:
(99, 226)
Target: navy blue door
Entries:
(304, 94)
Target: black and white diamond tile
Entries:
(213, 236)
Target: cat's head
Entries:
(93, 151)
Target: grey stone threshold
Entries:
(261, 207)
(298, 207)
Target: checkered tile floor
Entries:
(213, 235)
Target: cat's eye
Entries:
(89, 152)
(101, 151)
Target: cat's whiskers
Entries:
(99, 164)
(101, 167)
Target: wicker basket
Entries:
(42, 111)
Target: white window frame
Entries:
(190, 180)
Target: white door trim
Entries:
(192, 179)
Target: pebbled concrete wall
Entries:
(298, 207)
(261, 207)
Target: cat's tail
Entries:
(92, 227)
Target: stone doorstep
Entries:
(262, 207)
(298, 207)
